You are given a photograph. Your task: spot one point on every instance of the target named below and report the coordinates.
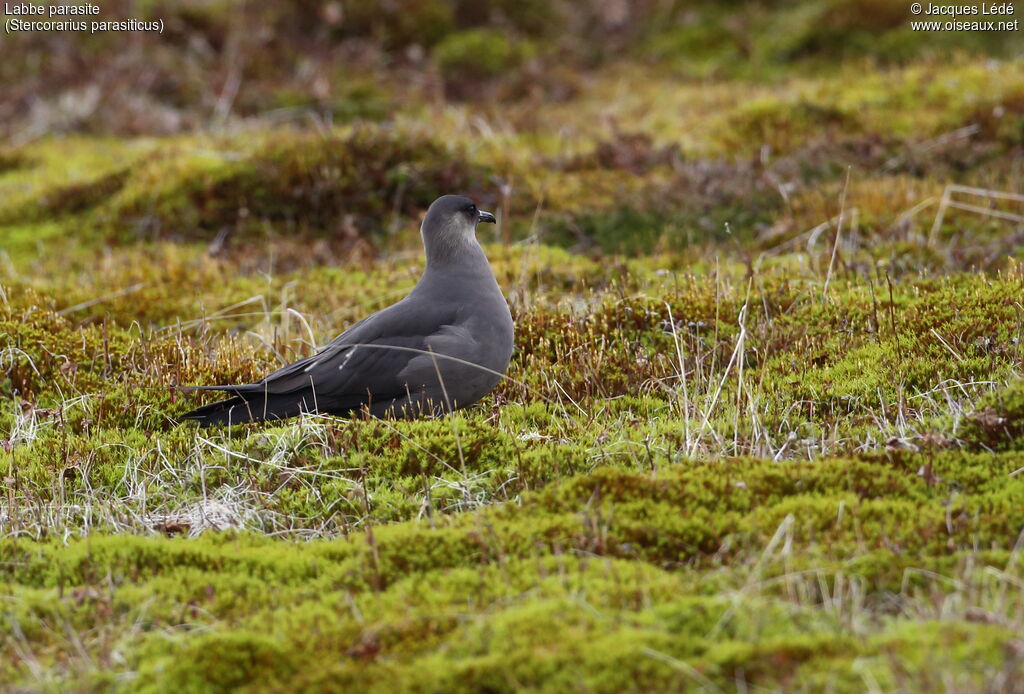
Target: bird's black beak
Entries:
(486, 217)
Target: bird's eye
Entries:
(471, 209)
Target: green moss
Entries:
(353, 100)
(12, 160)
(542, 579)
(67, 177)
(217, 662)
(997, 421)
(781, 125)
(399, 24)
(81, 197)
(750, 39)
(468, 58)
(302, 183)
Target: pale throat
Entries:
(452, 244)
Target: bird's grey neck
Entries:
(453, 252)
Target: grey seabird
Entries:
(442, 347)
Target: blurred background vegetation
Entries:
(342, 60)
(601, 126)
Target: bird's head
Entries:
(451, 222)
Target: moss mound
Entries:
(357, 185)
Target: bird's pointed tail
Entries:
(234, 410)
(248, 405)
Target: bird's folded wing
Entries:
(358, 369)
(369, 357)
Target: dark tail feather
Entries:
(231, 411)
(255, 407)
(250, 403)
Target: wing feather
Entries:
(369, 362)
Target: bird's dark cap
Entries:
(447, 207)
